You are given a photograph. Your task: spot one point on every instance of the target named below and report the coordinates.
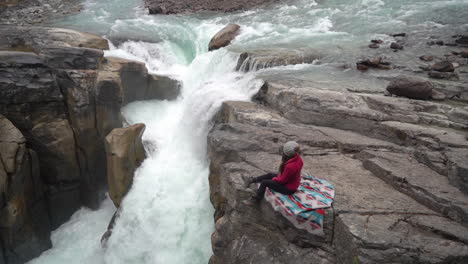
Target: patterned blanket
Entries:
(305, 208)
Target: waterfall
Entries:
(167, 216)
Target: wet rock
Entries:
(425, 68)
(110, 227)
(439, 42)
(377, 41)
(162, 88)
(374, 46)
(137, 84)
(410, 87)
(443, 66)
(24, 220)
(109, 98)
(426, 58)
(396, 46)
(155, 9)
(362, 67)
(464, 54)
(261, 59)
(181, 6)
(224, 37)
(451, 76)
(376, 62)
(65, 199)
(125, 153)
(462, 39)
(399, 35)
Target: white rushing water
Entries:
(167, 216)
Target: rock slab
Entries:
(125, 153)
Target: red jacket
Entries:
(291, 175)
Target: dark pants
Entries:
(266, 181)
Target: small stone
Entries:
(377, 41)
(384, 67)
(426, 58)
(439, 42)
(451, 44)
(374, 46)
(374, 62)
(396, 46)
(443, 66)
(451, 76)
(361, 67)
(464, 54)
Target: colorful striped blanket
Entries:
(305, 208)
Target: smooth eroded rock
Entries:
(24, 220)
(410, 87)
(125, 153)
(224, 37)
(443, 66)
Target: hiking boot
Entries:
(252, 201)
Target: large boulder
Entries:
(224, 37)
(410, 87)
(24, 220)
(125, 153)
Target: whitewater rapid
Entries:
(167, 216)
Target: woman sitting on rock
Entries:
(288, 179)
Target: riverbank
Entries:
(36, 12)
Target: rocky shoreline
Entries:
(398, 165)
(184, 6)
(36, 12)
(396, 202)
